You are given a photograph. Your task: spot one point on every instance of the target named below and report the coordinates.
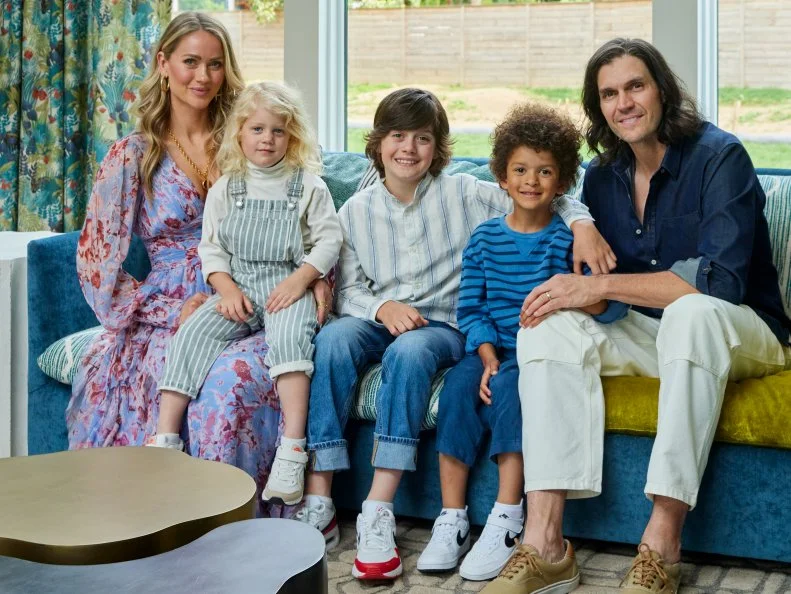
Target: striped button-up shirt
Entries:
(412, 253)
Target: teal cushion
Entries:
(60, 359)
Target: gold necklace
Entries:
(203, 174)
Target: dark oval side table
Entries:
(270, 556)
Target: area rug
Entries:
(602, 566)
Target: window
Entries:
(754, 52)
(258, 45)
(479, 59)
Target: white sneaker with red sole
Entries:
(322, 517)
(377, 554)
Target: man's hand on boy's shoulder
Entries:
(399, 318)
(591, 248)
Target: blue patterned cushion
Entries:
(365, 407)
(60, 359)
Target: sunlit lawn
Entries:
(770, 155)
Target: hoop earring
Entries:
(164, 83)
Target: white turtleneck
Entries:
(321, 231)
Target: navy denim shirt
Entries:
(703, 220)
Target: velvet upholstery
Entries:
(754, 412)
(742, 509)
(743, 506)
(57, 308)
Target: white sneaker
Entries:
(171, 441)
(287, 477)
(377, 554)
(322, 517)
(491, 552)
(450, 539)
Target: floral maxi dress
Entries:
(236, 417)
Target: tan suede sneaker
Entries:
(649, 573)
(527, 573)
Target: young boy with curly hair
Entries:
(535, 159)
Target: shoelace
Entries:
(377, 530)
(520, 560)
(444, 532)
(285, 470)
(310, 515)
(491, 537)
(645, 569)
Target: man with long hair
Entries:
(679, 202)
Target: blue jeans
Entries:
(464, 417)
(345, 348)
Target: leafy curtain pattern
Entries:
(69, 72)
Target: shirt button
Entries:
(653, 262)
(638, 231)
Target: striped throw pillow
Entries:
(778, 214)
(60, 359)
(365, 405)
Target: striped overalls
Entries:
(264, 239)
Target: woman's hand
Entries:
(235, 306)
(190, 305)
(322, 293)
(591, 248)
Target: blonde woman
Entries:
(153, 184)
(270, 230)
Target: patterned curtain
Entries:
(69, 72)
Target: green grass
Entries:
(748, 117)
(458, 105)
(754, 97)
(555, 94)
(353, 90)
(770, 155)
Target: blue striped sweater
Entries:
(500, 267)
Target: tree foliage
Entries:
(266, 10)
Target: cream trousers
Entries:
(698, 345)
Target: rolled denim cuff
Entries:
(504, 447)
(394, 453)
(329, 455)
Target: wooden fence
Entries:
(531, 45)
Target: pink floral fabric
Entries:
(236, 417)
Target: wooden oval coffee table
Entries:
(105, 505)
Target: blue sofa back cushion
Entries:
(57, 308)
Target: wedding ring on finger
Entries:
(548, 296)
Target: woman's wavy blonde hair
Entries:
(283, 101)
(153, 105)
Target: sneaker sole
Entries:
(279, 500)
(332, 539)
(385, 575)
(480, 577)
(440, 567)
(563, 587)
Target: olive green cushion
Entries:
(754, 412)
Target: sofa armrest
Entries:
(56, 308)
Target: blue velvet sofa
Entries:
(744, 506)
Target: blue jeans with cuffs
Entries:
(464, 418)
(345, 348)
